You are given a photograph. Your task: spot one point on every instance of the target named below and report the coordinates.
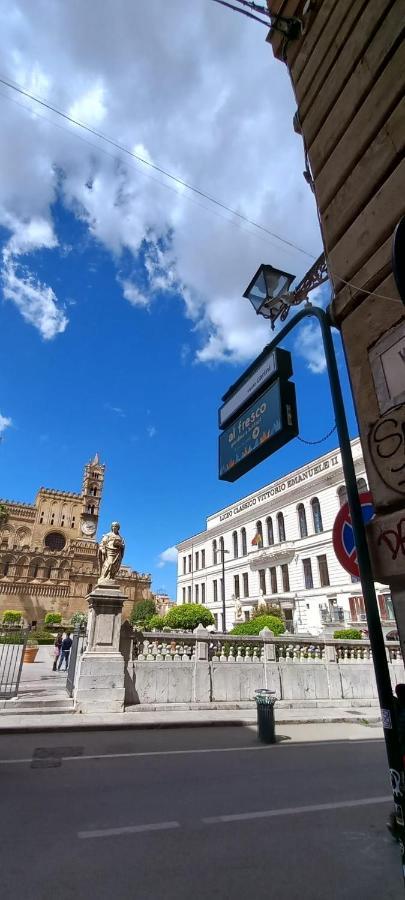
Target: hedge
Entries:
(348, 634)
(11, 638)
(255, 626)
(41, 637)
(11, 617)
(53, 618)
(188, 616)
(157, 622)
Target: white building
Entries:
(295, 566)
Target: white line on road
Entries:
(295, 810)
(141, 753)
(128, 829)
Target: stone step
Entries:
(37, 704)
(37, 711)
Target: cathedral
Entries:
(48, 552)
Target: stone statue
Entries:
(238, 609)
(110, 554)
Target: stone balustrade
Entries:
(202, 667)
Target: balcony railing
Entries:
(332, 616)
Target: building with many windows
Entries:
(48, 551)
(277, 548)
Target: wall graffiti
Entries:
(394, 538)
(387, 448)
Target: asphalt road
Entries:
(197, 813)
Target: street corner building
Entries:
(48, 552)
(278, 550)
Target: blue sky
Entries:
(122, 319)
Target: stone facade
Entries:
(48, 552)
(295, 567)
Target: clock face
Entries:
(88, 528)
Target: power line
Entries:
(244, 12)
(175, 178)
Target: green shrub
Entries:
(348, 634)
(12, 638)
(156, 622)
(11, 617)
(41, 637)
(142, 612)
(255, 626)
(269, 611)
(79, 618)
(188, 616)
(53, 618)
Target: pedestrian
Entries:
(400, 719)
(65, 651)
(56, 650)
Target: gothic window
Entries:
(280, 526)
(270, 533)
(244, 544)
(52, 518)
(316, 515)
(48, 572)
(302, 520)
(235, 544)
(362, 485)
(41, 519)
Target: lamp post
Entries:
(222, 551)
(270, 296)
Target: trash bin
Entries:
(265, 701)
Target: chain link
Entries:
(303, 441)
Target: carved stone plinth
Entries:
(100, 682)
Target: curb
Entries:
(28, 728)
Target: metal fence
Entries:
(12, 645)
(79, 643)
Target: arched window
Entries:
(270, 533)
(48, 572)
(316, 515)
(342, 494)
(259, 531)
(244, 544)
(6, 567)
(235, 544)
(280, 527)
(362, 485)
(302, 520)
(214, 552)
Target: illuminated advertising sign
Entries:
(264, 369)
(258, 431)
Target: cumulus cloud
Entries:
(192, 88)
(5, 422)
(310, 347)
(167, 556)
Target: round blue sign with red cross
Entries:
(343, 537)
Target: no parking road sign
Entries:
(343, 537)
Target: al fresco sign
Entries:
(261, 429)
(264, 369)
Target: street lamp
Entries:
(317, 274)
(222, 551)
(269, 290)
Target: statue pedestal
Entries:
(100, 682)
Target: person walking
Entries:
(56, 651)
(65, 651)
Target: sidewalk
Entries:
(136, 717)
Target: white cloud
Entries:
(167, 556)
(310, 347)
(115, 409)
(5, 422)
(152, 431)
(36, 301)
(133, 294)
(220, 119)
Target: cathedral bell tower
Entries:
(93, 480)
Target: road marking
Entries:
(142, 753)
(128, 829)
(296, 810)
